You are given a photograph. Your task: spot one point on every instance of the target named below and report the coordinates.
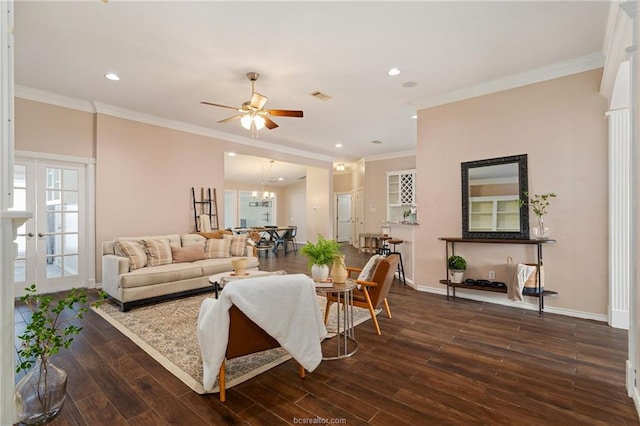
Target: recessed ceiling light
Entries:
(112, 76)
(414, 116)
(231, 154)
(338, 145)
(393, 72)
(280, 178)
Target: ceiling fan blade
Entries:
(258, 101)
(269, 123)
(284, 113)
(235, 117)
(222, 106)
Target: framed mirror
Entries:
(490, 192)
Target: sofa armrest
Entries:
(112, 267)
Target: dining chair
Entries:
(291, 238)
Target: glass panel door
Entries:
(50, 246)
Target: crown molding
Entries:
(114, 111)
(391, 155)
(38, 95)
(537, 75)
(618, 37)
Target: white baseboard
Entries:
(636, 400)
(630, 380)
(619, 319)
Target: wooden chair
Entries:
(373, 293)
(245, 337)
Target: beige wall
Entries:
(144, 177)
(295, 208)
(342, 182)
(319, 187)
(52, 129)
(561, 125)
(375, 189)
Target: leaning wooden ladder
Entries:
(208, 205)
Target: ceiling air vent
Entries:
(377, 142)
(321, 96)
(302, 177)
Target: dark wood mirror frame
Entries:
(523, 232)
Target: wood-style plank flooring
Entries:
(437, 362)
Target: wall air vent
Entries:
(319, 95)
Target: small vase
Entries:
(339, 270)
(240, 266)
(319, 272)
(40, 394)
(455, 276)
(541, 232)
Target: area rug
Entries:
(167, 332)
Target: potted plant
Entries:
(321, 255)
(40, 394)
(456, 265)
(539, 204)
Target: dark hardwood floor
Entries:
(437, 362)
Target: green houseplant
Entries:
(456, 265)
(321, 255)
(40, 394)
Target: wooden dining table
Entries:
(273, 234)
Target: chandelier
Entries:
(266, 195)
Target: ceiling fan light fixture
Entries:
(259, 120)
(247, 119)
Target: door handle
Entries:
(40, 234)
(30, 234)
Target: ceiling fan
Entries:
(252, 115)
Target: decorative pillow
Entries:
(217, 248)
(132, 250)
(367, 272)
(158, 252)
(238, 244)
(187, 254)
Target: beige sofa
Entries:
(143, 277)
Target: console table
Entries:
(451, 242)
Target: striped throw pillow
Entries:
(238, 244)
(217, 248)
(132, 250)
(158, 252)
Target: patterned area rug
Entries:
(167, 332)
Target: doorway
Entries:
(343, 218)
(51, 248)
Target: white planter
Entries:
(456, 276)
(319, 272)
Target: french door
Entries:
(51, 246)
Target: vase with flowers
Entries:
(539, 204)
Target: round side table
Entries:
(346, 345)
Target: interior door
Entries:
(359, 229)
(51, 250)
(343, 217)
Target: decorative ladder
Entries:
(207, 205)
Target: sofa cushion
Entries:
(187, 254)
(158, 252)
(132, 250)
(217, 266)
(192, 239)
(160, 274)
(238, 244)
(216, 248)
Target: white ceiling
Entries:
(172, 55)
